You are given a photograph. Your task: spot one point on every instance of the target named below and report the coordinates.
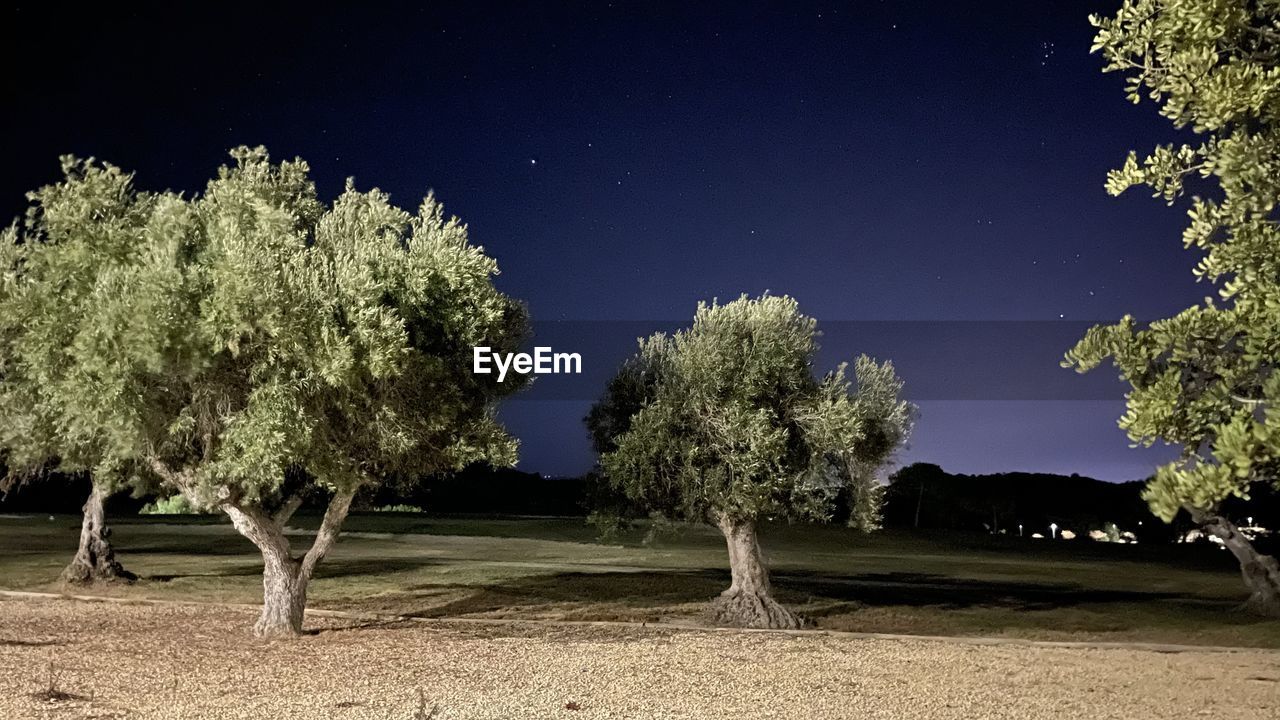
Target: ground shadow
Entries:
(343, 567)
(332, 568)
(637, 590)
(6, 642)
(240, 570)
(652, 589)
(212, 549)
(928, 589)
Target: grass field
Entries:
(553, 568)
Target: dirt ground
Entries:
(66, 659)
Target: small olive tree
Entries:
(1207, 378)
(66, 271)
(725, 423)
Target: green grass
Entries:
(900, 582)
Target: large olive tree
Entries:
(66, 273)
(262, 346)
(1207, 378)
(725, 422)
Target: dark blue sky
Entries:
(879, 161)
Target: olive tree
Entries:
(269, 346)
(1207, 379)
(725, 422)
(65, 271)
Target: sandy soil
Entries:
(126, 661)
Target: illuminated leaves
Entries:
(246, 331)
(726, 417)
(1205, 379)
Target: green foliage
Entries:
(176, 504)
(1205, 379)
(726, 418)
(68, 290)
(251, 333)
(400, 508)
(609, 526)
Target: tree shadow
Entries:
(329, 569)
(244, 570)
(7, 642)
(211, 549)
(928, 589)
(636, 590)
(647, 592)
(352, 567)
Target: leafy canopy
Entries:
(726, 419)
(1206, 378)
(252, 335)
(69, 288)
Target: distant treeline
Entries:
(920, 496)
(478, 489)
(925, 496)
(483, 490)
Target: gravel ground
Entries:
(129, 661)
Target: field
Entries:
(554, 568)
(486, 638)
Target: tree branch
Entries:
(258, 527)
(286, 510)
(1250, 403)
(327, 535)
(160, 468)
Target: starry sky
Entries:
(926, 178)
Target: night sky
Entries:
(924, 177)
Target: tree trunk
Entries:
(1261, 572)
(95, 559)
(748, 602)
(284, 577)
(284, 594)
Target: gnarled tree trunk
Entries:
(284, 577)
(1261, 572)
(284, 592)
(748, 602)
(95, 559)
